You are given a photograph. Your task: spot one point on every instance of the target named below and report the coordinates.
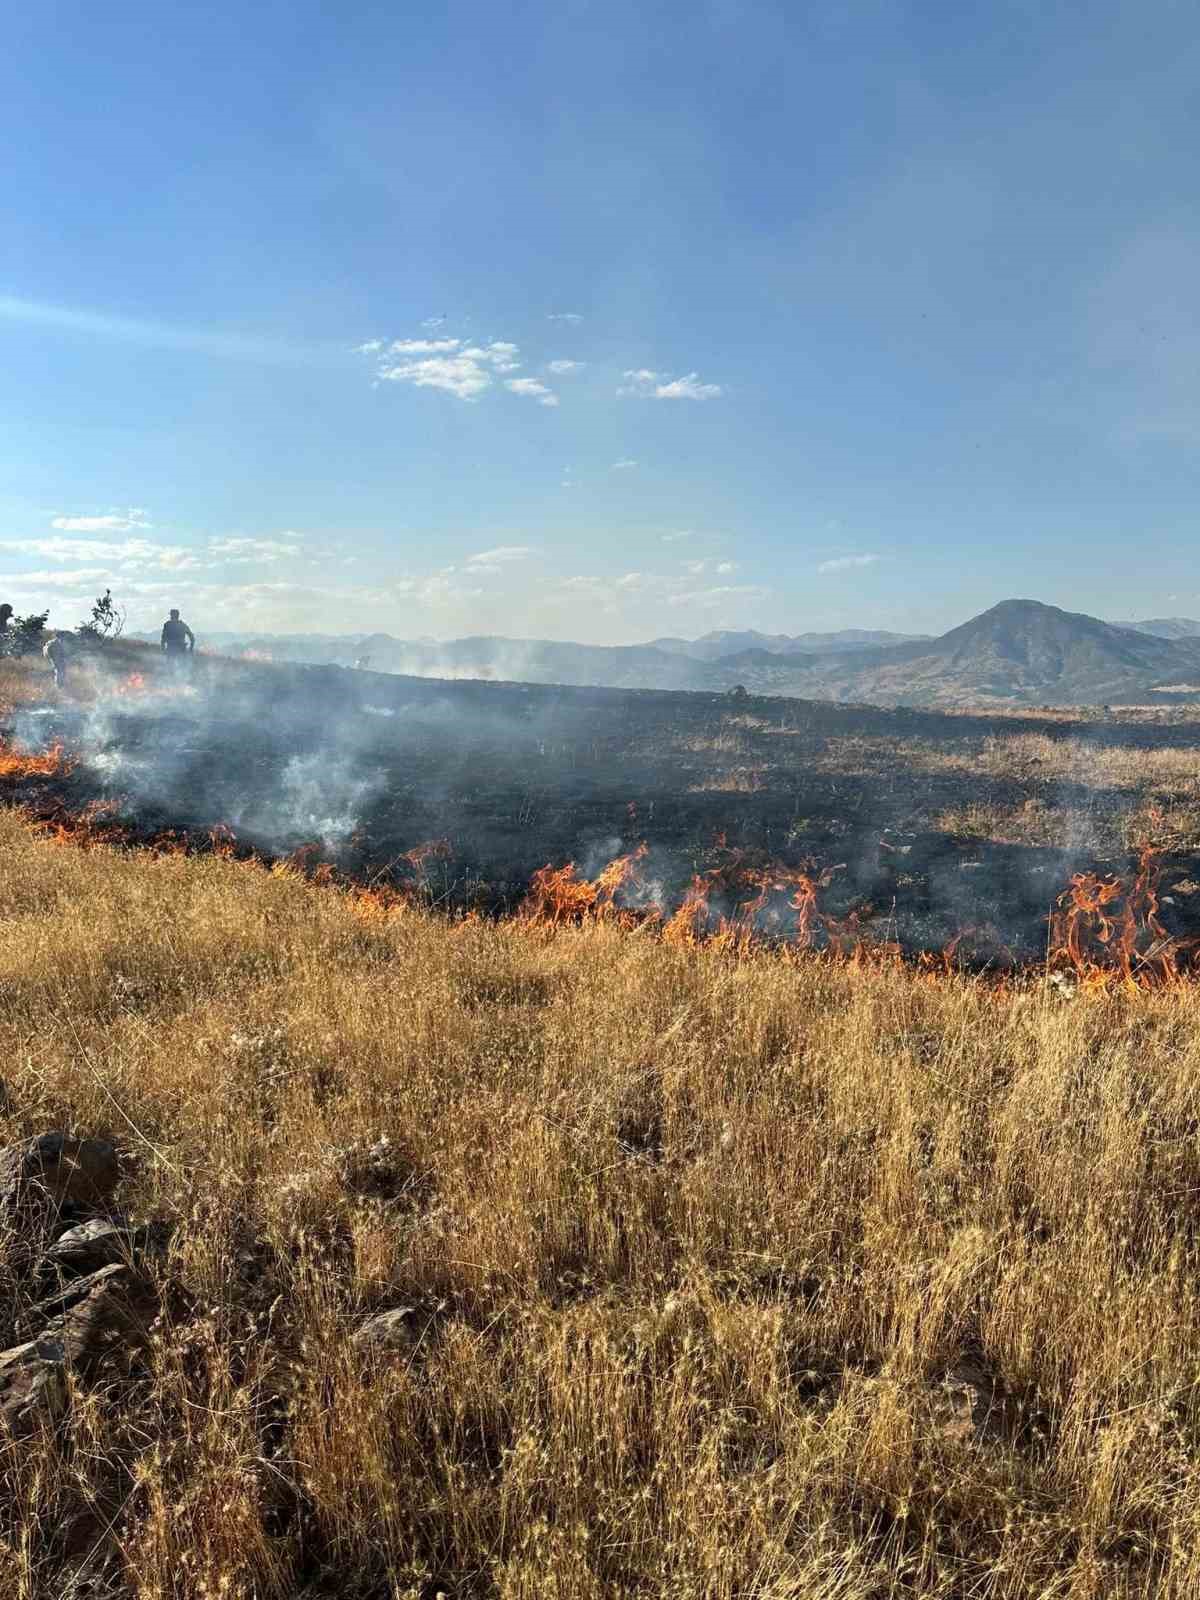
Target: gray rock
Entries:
(57, 1170)
(392, 1332)
(87, 1247)
(97, 1243)
(33, 1385)
(80, 1306)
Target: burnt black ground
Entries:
(516, 776)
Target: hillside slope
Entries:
(1019, 652)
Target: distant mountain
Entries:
(725, 642)
(1019, 653)
(1166, 627)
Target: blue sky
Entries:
(875, 313)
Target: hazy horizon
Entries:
(565, 639)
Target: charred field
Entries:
(920, 830)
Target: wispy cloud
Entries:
(164, 336)
(564, 316)
(721, 569)
(128, 554)
(442, 589)
(677, 538)
(718, 595)
(503, 356)
(110, 522)
(844, 563)
(562, 366)
(237, 551)
(624, 466)
(415, 347)
(636, 589)
(533, 390)
(638, 380)
(61, 578)
(502, 553)
(644, 383)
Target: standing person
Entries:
(55, 652)
(5, 615)
(178, 640)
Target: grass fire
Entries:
(502, 1152)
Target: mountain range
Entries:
(1020, 652)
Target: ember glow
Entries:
(52, 763)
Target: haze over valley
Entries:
(1020, 652)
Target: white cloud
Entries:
(623, 466)
(564, 366)
(676, 538)
(438, 589)
(644, 383)
(238, 551)
(502, 356)
(464, 371)
(112, 522)
(418, 347)
(718, 596)
(63, 579)
(564, 316)
(710, 564)
(368, 349)
(638, 380)
(502, 553)
(127, 553)
(463, 378)
(533, 389)
(844, 563)
(638, 589)
(688, 388)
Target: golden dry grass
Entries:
(690, 1243)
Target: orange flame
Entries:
(558, 894)
(1104, 930)
(52, 763)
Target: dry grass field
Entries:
(752, 1279)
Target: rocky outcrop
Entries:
(91, 1304)
(99, 1242)
(33, 1385)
